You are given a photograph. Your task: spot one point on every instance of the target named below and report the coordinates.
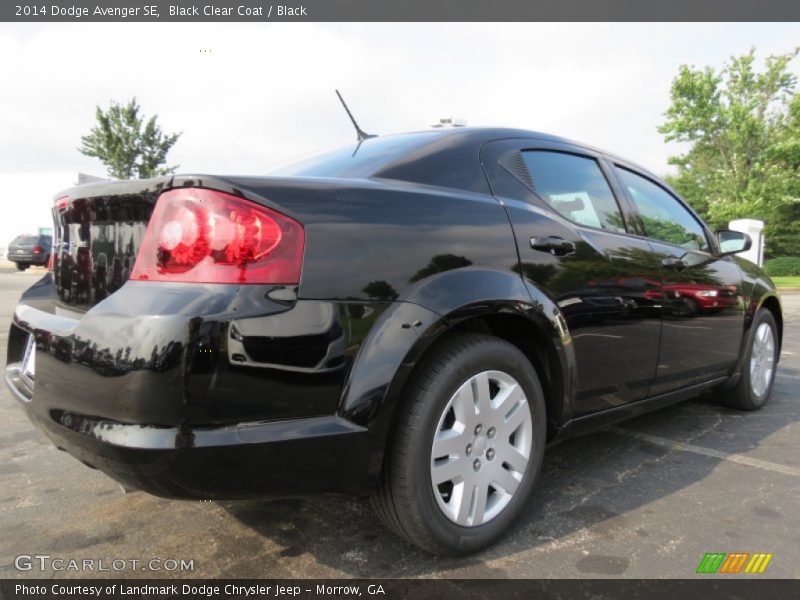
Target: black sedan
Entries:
(30, 250)
(410, 318)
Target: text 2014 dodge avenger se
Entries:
(411, 318)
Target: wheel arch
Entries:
(534, 341)
(457, 301)
(771, 303)
(767, 299)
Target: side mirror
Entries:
(733, 242)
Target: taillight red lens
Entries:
(37, 249)
(205, 236)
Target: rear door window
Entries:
(575, 187)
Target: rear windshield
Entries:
(357, 160)
(25, 239)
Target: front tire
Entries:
(754, 387)
(468, 446)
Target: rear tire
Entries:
(21, 266)
(687, 307)
(754, 387)
(475, 400)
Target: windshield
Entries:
(357, 160)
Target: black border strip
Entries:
(709, 588)
(402, 10)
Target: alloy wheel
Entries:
(762, 360)
(481, 448)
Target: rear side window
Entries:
(575, 187)
(357, 160)
(664, 218)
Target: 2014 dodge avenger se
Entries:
(412, 318)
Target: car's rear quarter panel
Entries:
(162, 355)
(361, 232)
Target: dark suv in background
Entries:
(30, 250)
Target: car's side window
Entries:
(575, 187)
(663, 216)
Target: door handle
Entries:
(553, 244)
(674, 263)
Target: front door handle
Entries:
(674, 263)
(553, 244)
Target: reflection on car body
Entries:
(308, 338)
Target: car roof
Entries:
(482, 135)
(450, 157)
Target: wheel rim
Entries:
(762, 360)
(481, 448)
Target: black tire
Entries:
(21, 266)
(742, 395)
(405, 501)
(687, 307)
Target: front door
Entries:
(702, 304)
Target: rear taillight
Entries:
(205, 236)
(37, 249)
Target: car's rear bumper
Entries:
(283, 458)
(153, 400)
(27, 258)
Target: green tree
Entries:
(741, 128)
(380, 290)
(439, 264)
(785, 154)
(129, 144)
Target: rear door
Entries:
(703, 308)
(575, 244)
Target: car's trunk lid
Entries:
(98, 229)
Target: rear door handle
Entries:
(553, 244)
(674, 263)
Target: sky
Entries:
(249, 97)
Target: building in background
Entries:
(755, 229)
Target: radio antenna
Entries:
(360, 133)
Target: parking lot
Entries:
(647, 498)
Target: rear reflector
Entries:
(204, 236)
